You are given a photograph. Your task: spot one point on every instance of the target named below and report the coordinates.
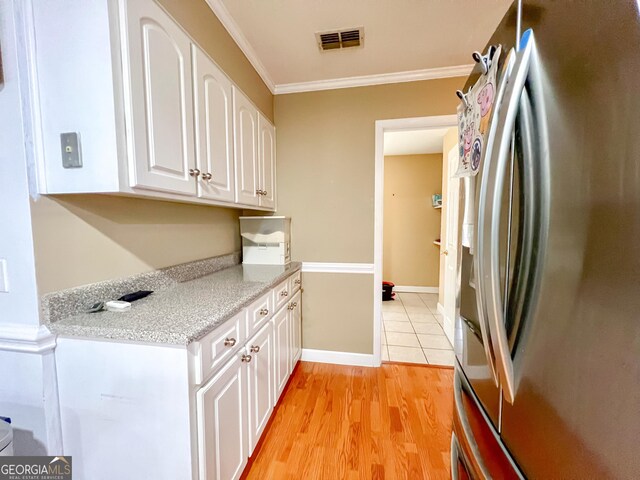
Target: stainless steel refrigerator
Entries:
(548, 332)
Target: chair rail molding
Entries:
(322, 267)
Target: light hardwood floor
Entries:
(337, 422)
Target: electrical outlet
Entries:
(70, 149)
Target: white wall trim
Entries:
(321, 267)
(377, 79)
(382, 126)
(338, 358)
(413, 289)
(232, 27)
(441, 309)
(26, 338)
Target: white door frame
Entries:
(382, 126)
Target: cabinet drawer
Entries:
(219, 345)
(259, 312)
(280, 295)
(295, 282)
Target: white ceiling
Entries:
(399, 35)
(412, 142)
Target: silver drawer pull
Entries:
(290, 306)
(246, 358)
(264, 312)
(284, 293)
(295, 304)
(229, 342)
(298, 281)
(254, 348)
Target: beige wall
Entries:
(196, 17)
(449, 141)
(325, 149)
(337, 312)
(411, 224)
(80, 239)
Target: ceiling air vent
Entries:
(353, 37)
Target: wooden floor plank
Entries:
(339, 422)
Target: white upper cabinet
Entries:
(214, 129)
(267, 155)
(125, 102)
(161, 143)
(255, 154)
(246, 149)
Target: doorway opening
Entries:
(415, 238)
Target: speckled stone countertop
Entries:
(183, 312)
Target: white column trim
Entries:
(323, 267)
(26, 338)
(414, 289)
(338, 358)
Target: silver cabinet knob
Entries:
(290, 306)
(295, 304)
(264, 312)
(207, 176)
(194, 172)
(254, 348)
(284, 293)
(245, 358)
(258, 192)
(229, 342)
(264, 192)
(298, 281)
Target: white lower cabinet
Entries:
(234, 407)
(172, 412)
(222, 426)
(295, 313)
(281, 327)
(261, 384)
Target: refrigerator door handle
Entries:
(481, 231)
(490, 251)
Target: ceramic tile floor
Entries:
(413, 330)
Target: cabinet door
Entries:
(222, 423)
(267, 155)
(261, 383)
(245, 124)
(281, 327)
(214, 129)
(296, 328)
(159, 106)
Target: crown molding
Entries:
(379, 79)
(232, 27)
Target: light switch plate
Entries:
(70, 149)
(4, 279)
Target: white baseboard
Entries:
(411, 289)
(338, 358)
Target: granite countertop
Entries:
(183, 312)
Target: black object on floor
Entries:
(387, 291)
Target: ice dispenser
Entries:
(266, 240)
